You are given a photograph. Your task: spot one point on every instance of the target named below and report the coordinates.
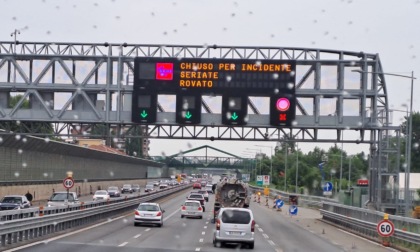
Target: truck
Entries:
(231, 192)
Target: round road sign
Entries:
(385, 228)
(68, 183)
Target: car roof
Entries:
(236, 209)
(149, 203)
(14, 195)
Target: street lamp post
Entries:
(351, 157)
(271, 160)
(408, 168)
(297, 168)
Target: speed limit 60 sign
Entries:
(68, 183)
(385, 228)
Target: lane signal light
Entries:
(283, 104)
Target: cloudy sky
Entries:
(387, 27)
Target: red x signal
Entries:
(282, 117)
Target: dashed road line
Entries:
(122, 244)
(260, 229)
(201, 240)
(391, 249)
(197, 249)
(137, 236)
(203, 233)
(271, 243)
(147, 230)
(205, 227)
(265, 236)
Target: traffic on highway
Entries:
(180, 222)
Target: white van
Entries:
(234, 225)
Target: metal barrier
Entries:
(361, 221)
(23, 225)
(364, 222)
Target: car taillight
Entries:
(136, 213)
(252, 226)
(200, 209)
(183, 208)
(159, 214)
(217, 224)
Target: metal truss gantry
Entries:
(77, 89)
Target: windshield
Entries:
(101, 193)
(15, 200)
(62, 197)
(150, 208)
(112, 188)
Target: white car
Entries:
(192, 208)
(234, 225)
(148, 213)
(101, 195)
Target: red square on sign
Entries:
(164, 71)
(282, 117)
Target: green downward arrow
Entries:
(188, 115)
(143, 114)
(234, 116)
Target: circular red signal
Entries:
(283, 104)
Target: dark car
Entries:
(136, 188)
(127, 189)
(149, 188)
(113, 191)
(14, 202)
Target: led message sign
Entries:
(214, 76)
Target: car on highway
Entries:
(149, 188)
(209, 188)
(205, 194)
(127, 188)
(14, 202)
(63, 199)
(135, 187)
(149, 213)
(197, 185)
(234, 225)
(101, 195)
(156, 183)
(192, 208)
(198, 197)
(163, 185)
(114, 191)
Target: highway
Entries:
(275, 231)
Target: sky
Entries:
(385, 27)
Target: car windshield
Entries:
(235, 216)
(101, 193)
(112, 188)
(62, 197)
(196, 196)
(149, 208)
(14, 200)
(192, 204)
(149, 186)
(202, 192)
(126, 186)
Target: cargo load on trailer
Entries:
(231, 193)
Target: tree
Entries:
(415, 140)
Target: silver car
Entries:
(192, 208)
(234, 225)
(149, 213)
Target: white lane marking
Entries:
(147, 230)
(271, 243)
(137, 236)
(172, 214)
(265, 236)
(76, 232)
(205, 227)
(260, 229)
(203, 233)
(122, 244)
(279, 250)
(64, 235)
(390, 249)
(197, 249)
(257, 225)
(201, 240)
(207, 222)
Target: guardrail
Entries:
(361, 221)
(364, 222)
(26, 224)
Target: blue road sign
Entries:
(279, 203)
(328, 186)
(293, 210)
